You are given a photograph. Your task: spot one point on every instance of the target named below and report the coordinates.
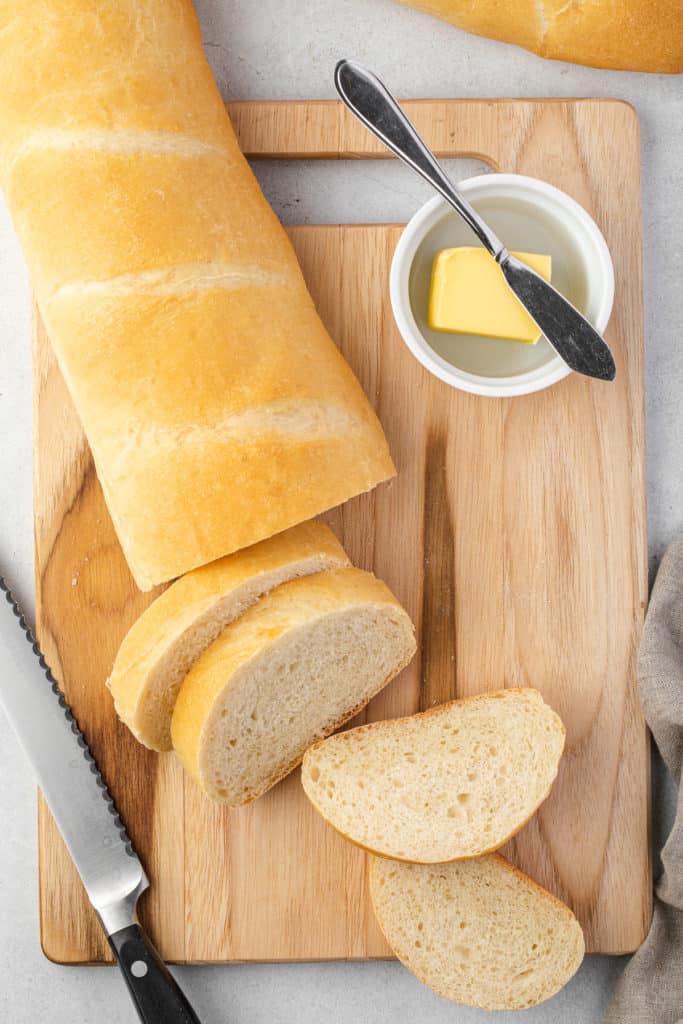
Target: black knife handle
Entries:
(157, 996)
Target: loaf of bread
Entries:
(170, 635)
(632, 35)
(217, 408)
(453, 782)
(478, 932)
(295, 666)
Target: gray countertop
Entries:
(287, 49)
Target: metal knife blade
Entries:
(85, 813)
(570, 334)
(67, 773)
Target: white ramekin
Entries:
(530, 216)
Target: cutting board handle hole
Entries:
(350, 191)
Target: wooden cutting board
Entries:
(514, 534)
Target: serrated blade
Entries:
(67, 773)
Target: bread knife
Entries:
(85, 813)
(574, 339)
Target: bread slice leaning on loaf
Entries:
(478, 932)
(453, 782)
(298, 664)
(159, 649)
(217, 408)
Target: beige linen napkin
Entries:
(651, 989)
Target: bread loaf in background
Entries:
(163, 644)
(631, 35)
(217, 408)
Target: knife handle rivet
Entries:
(138, 968)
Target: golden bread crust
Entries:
(217, 408)
(628, 35)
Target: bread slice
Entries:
(453, 782)
(169, 636)
(478, 932)
(296, 665)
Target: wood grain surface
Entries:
(514, 534)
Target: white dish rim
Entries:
(422, 222)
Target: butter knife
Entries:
(85, 813)
(574, 339)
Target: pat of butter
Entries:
(469, 295)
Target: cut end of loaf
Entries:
(451, 783)
(477, 932)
